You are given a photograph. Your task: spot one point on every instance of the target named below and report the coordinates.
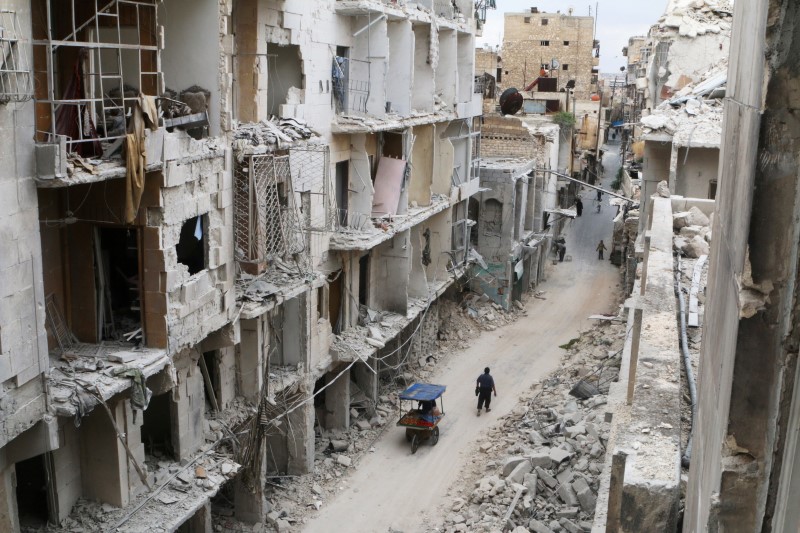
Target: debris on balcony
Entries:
(258, 138)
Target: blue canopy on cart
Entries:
(422, 391)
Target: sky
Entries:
(618, 20)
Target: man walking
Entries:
(485, 386)
(600, 248)
(579, 206)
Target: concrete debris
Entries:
(552, 446)
(258, 137)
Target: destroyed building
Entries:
(551, 45)
(224, 224)
(518, 210)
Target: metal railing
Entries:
(16, 79)
(350, 95)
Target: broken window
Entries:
(157, 427)
(527, 20)
(91, 65)
(544, 43)
(191, 247)
(545, 22)
(564, 67)
(335, 301)
(566, 43)
(342, 185)
(285, 75)
(209, 367)
(712, 190)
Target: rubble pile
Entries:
(256, 137)
(698, 17)
(542, 462)
(694, 233)
(282, 273)
(488, 315)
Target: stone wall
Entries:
(524, 50)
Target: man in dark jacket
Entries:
(485, 387)
(579, 206)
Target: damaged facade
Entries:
(558, 45)
(220, 233)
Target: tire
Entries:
(434, 436)
(414, 444)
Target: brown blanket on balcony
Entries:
(144, 114)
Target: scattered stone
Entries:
(558, 455)
(344, 460)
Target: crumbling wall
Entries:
(447, 88)
(202, 303)
(187, 406)
(509, 137)
(389, 273)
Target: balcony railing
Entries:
(350, 95)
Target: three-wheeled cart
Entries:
(422, 421)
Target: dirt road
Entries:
(391, 487)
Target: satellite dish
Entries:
(554, 64)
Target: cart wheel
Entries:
(409, 434)
(434, 436)
(414, 443)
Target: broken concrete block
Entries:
(511, 463)
(518, 474)
(587, 499)
(573, 431)
(344, 460)
(663, 189)
(570, 526)
(363, 425)
(567, 495)
(548, 480)
(579, 484)
(538, 527)
(697, 217)
(565, 476)
(558, 455)
(696, 247)
(567, 512)
(339, 445)
(541, 458)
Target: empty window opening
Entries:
(545, 22)
(191, 247)
(320, 411)
(335, 301)
(118, 283)
(32, 492)
(527, 20)
(363, 280)
(473, 212)
(211, 379)
(342, 184)
(157, 427)
(712, 190)
(500, 75)
(566, 43)
(564, 67)
(519, 206)
(544, 43)
(393, 145)
(285, 75)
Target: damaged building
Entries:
(558, 45)
(225, 225)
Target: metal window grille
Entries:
(16, 83)
(118, 57)
(349, 95)
(480, 84)
(279, 199)
(662, 56)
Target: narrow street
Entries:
(391, 487)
